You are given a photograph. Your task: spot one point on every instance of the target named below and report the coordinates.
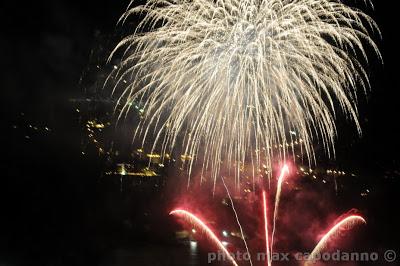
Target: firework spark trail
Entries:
(267, 247)
(284, 172)
(233, 77)
(237, 220)
(199, 223)
(348, 223)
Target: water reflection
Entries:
(187, 254)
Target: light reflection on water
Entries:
(194, 253)
(180, 255)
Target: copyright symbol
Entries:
(390, 255)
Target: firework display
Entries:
(233, 77)
(200, 132)
(346, 224)
(241, 82)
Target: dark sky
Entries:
(45, 47)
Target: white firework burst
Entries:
(231, 78)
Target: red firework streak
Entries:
(267, 249)
(200, 224)
(348, 222)
(284, 172)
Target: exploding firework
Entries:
(232, 77)
(346, 223)
(200, 224)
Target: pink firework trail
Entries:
(346, 223)
(267, 248)
(284, 172)
(188, 216)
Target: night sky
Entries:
(47, 199)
